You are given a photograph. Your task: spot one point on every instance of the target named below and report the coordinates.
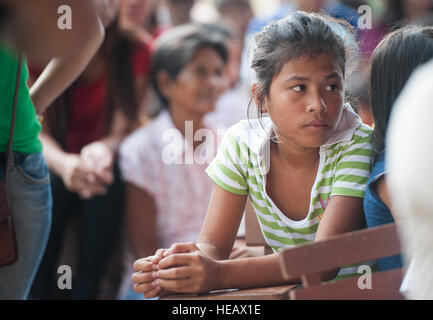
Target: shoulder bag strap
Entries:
(9, 161)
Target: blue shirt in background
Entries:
(377, 213)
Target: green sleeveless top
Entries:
(27, 126)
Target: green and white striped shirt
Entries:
(241, 163)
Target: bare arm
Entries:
(216, 241)
(342, 214)
(36, 33)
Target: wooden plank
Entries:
(340, 250)
(310, 279)
(267, 293)
(384, 285)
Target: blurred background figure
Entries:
(139, 18)
(359, 93)
(179, 11)
(331, 7)
(409, 159)
(235, 13)
(31, 28)
(389, 15)
(82, 134)
(232, 105)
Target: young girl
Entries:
(393, 61)
(304, 167)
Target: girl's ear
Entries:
(165, 83)
(258, 98)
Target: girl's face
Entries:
(199, 84)
(305, 100)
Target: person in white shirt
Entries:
(409, 159)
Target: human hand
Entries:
(145, 278)
(185, 268)
(100, 158)
(77, 177)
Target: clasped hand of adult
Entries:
(183, 268)
(90, 172)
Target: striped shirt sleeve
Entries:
(353, 167)
(227, 169)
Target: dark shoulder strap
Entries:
(9, 154)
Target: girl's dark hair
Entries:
(177, 47)
(116, 51)
(392, 62)
(297, 35)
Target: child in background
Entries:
(304, 167)
(81, 136)
(393, 61)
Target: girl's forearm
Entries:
(212, 251)
(251, 272)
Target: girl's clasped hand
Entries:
(181, 268)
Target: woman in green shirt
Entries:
(34, 31)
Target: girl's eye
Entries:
(331, 87)
(299, 88)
